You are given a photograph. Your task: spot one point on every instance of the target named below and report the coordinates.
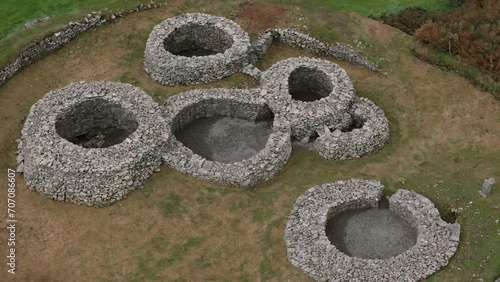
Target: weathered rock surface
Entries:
(309, 249)
(56, 163)
(223, 45)
(183, 108)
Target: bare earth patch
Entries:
(375, 29)
(261, 16)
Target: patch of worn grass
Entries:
(452, 63)
(366, 7)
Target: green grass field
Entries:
(366, 7)
(15, 13)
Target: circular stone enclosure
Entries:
(316, 213)
(92, 143)
(309, 84)
(96, 123)
(226, 135)
(368, 132)
(195, 48)
(310, 94)
(190, 41)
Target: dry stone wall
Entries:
(304, 41)
(42, 48)
(57, 165)
(309, 249)
(335, 89)
(367, 134)
(183, 108)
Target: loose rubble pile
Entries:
(183, 108)
(90, 172)
(309, 249)
(368, 132)
(225, 44)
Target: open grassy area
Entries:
(452, 63)
(15, 13)
(367, 7)
(444, 143)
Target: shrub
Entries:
(472, 32)
(407, 20)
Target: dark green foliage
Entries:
(407, 20)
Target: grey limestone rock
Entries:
(309, 249)
(92, 143)
(195, 48)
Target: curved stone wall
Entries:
(368, 132)
(309, 248)
(195, 48)
(295, 76)
(92, 142)
(186, 107)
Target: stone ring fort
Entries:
(91, 143)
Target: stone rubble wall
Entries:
(309, 249)
(260, 47)
(306, 118)
(252, 71)
(183, 108)
(253, 53)
(371, 137)
(337, 110)
(56, 41)
(68, 172)
(310, 44)
(169, 69)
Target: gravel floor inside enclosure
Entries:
(371, 233)
(225, 139)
